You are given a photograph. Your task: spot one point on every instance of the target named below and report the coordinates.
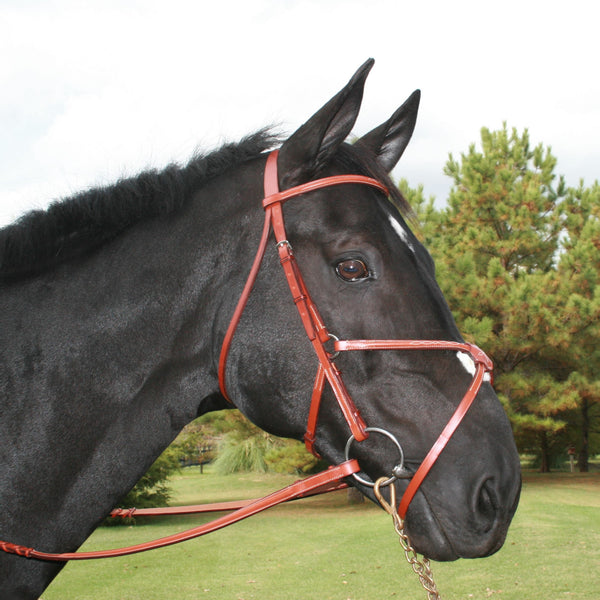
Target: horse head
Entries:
(371, 279)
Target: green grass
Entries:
(322, 548)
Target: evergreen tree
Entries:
(495, 247)
(152, 489)
(573, 352)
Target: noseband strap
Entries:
(320, 336)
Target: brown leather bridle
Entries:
(327, 370)
(319, 335)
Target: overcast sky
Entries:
(93, 91)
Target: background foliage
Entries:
(518, 259)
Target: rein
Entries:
(321, 482)
(327, 370)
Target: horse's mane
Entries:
(41, 239)
(71, 227)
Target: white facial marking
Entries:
(467, 362)
(400, 231)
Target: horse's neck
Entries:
(111, 356)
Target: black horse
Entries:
(114, 307)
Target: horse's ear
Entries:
(315, 142)
(389, 140)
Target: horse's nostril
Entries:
(486, 507)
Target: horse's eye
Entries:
(352, 269)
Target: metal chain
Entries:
(421, 567)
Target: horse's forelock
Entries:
(355, 159)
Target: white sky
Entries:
(92, 91)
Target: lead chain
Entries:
(421, 567)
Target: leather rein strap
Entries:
(304, 487)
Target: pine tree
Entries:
(495, 247)
(573, 351)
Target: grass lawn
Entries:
(322, 548)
